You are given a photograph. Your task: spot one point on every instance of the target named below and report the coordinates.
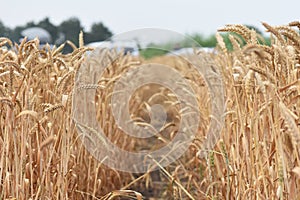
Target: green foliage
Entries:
(99, 32)
(152, 52)
(191, 41)
(4, 31)
(67, 30)
(51, 28)
(209, 41)
(254, 28)
(16, 33)
(227, 40)
(71, 29)
(263, 40)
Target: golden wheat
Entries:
(256, 155)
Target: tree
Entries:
(4, 31)
(16, 32)
(52, 29)
(67, 30)
(29, 24)
(98, 32)
(71, 29)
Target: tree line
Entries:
(67, 30)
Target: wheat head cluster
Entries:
(256, 155)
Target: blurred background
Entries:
(56, 21)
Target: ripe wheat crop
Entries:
(256, 155)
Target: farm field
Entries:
(256, 156)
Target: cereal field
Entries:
(256, 155)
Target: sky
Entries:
(183, 16)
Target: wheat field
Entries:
(256, 155)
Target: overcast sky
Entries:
(183, 16)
